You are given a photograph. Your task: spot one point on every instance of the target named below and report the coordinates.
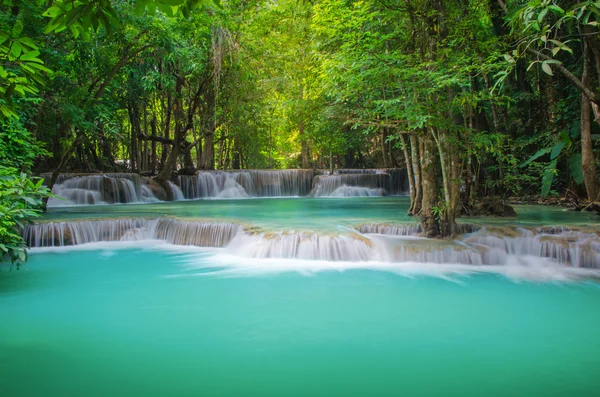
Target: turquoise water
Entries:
(150, 319)
(311, 213)
(150, 322)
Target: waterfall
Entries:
(397, 180)
(384, 243)
(87, 189)
(406, 230)
(357, 191)
(77, 189)
(364, 183)
(176, 191)
(246, 183)
(198, 233)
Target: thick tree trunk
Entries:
(208, 153)
(429, 220)
(587, 154)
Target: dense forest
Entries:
(475, 98)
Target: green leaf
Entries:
(548, 176)
(509, 58)
(171, 2)
(16, 49)
(556, 9)
(556, 150)
(546, 68)
(140, 7)
(17, 29)
(29, 56)
(537, 155)
(576, 168)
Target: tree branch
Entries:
(568, 75)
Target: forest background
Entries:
(475, 98)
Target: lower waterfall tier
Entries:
(368, 242)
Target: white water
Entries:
(363, 184)
(176, 191)
(357, 191)
(247, 183)
(100, 189)
(577, 249)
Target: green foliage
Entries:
(20, 200)
(18, 148)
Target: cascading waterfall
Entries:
(178, 232)
(406, 230)
(359, 183)
(99, 189)
(176, 191)
(247, 183)
(87, 189)
(356, 191)
(372, 242)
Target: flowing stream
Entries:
(335, 296)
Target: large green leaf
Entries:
(575, 167)
(556, 150)
(548, 176)
(537, 155)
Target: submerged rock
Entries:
(490, 207)
(157, 190)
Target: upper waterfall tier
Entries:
(114, 188)
(381, 243)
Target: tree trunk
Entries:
(153, 154)
(305, 163)
(416, 169)
(587, 154)
(429, 219)
(384, 149)
(208, 152)
(411, 177)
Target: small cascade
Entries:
(147, 195)
(572, 247)
(176, 191)
(281, 183)
(307, 246)
(406, 229)
(178, 232)
(357, 191)
(327, 185)
(394, 230)
(397, 181)
(200, 234)
(59, 234)
(81, 189)
(247, 183)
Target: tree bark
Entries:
(587, 154)
(429, 220)
(411, 178)
(416, 168)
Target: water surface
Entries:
(153, 322)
